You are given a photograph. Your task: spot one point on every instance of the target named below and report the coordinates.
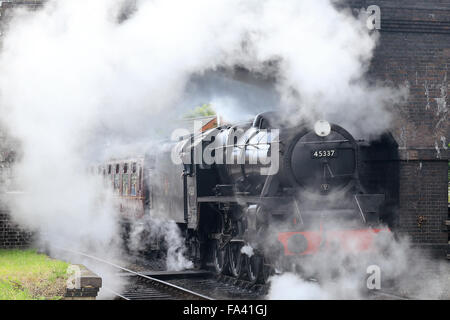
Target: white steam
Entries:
(290, 286)
(73, 80)
(247, 250)
(339, 274)
(164, 233)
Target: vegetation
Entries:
(27, 275)
(204, 110)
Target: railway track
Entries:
(385, 295)
(188, 285)
(220, 289)
(228, 288)
(195, 285)
(202, 282)
(144, 287)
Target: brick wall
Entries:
(414, 51)
(11, 235)
(423, 198)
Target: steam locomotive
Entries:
(251, 197)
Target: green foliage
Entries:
(11, 291)
(204, 110)
(25, 274)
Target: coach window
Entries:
(117, 179)
(110, 176)
(133, 180)
(140, 181)
(125, 182)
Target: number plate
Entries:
(319, 154)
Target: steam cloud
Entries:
(156, 229)
(75, 79)
(337, 274)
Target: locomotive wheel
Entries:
(253, 266)
(194, 252)
(219, 257)
(235, 259)
(266, 271)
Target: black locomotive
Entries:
(250, 195)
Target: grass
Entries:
(27, 275)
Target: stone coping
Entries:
(82, 284)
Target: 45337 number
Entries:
(317, 154)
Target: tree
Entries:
(204, 110)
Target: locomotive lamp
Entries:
(322, 128)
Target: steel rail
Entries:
(390, 295)
(156, 282)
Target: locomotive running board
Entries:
(251, 199)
